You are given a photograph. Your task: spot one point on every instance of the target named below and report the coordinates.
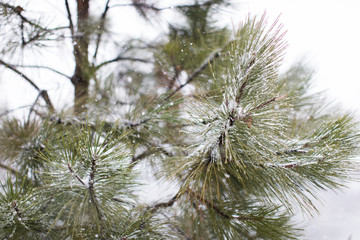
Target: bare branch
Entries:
(152, 7)
(12, 110)
(18, 11)
(121, 59)
(43, 67)
(139, 5)
(101, 27)
(33, 105)
(71, 25)
(11, 170)
(44, 94)
(197, 71)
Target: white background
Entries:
(325, 34)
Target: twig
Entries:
(267, 103)
(33, 105)
(11, 67)
(91, 187)
(75, 175)
(18, 11)
(43, 67)
(11, 170)
(12, 110)
(197, 71)
(71, 25)
(15, 172)
(121, 59)
(220, 212)
(138, 5)
(176, 228)
(101, 26)
(243, 85)
(44, 94)
(169, 203)
(176, 75)
(149, 152)
(152, 7)
(131, 124)
(15, 207)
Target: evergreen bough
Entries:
(243, 146)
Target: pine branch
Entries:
(15, 207)
(91, 187)
(292, 165)
(220, 212)
(243, 85)
(44, 94)
(154, 149)
(75, 175)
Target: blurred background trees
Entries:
(201, 107)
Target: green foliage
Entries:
(205, 110)
(19, 211)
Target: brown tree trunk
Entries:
(82, 73)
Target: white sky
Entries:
(324, 33)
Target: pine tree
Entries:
(201, 107)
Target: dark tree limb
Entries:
(157, 9)
(9, 169)
(12, 110)
(117, 59)
(221, 212)
(82, 72)
(44, 67)
(196, 73)
(44, 94)
(101, 27)
(33, 105)
(71, 25)
(169, 203)
(18, 11)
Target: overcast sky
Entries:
(326, 35)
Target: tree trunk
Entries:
(82, 74)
